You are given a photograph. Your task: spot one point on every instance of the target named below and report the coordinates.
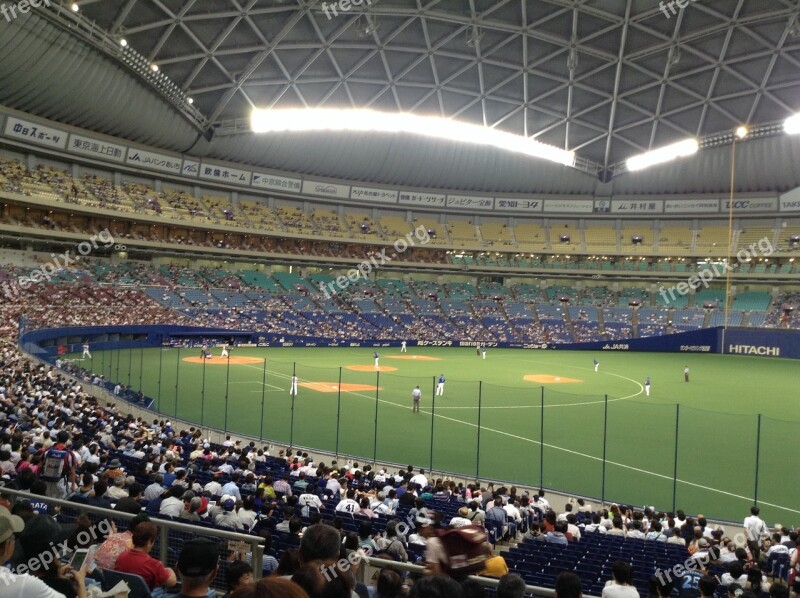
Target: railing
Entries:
(170, 533)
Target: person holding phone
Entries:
(36, 539)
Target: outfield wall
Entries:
(731, 341)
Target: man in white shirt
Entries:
(154, 490)
(596, 525)
(333, 484)
(214, 488)
(173, 505)
(461, 520)
(378, 506)
(308, 499)
(636, 533)
(777, 547)
(755, 529)
(348, 505)
(420, 479)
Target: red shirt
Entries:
(143, 565)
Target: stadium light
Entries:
(792, 125)
(325, 119)
(681, 149)
(742, 132)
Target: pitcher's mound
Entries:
(371, 368)
(415, 357)
(335, 387)
(215, 360)
(543, 379)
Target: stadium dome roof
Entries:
(606, 78)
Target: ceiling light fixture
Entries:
(792, 125)
(325, 119)
(681, 149)
(742, 132)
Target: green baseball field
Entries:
(528, 417)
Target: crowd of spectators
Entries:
(310, 514)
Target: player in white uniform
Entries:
(224, 350)
(647, 386)
(440, 387)
(293, 389)
(416, 394)
(377, 358)
(403, 347)
(483, 351)
(596, 365)
(86, 351)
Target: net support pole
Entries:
(377, 398)
(160, 365)
(177, 375)
(338, 410)
(541, 441)
(141, 367)
(203, 395)
(433, 416)
(605, 444)
(758, 458)
(675, 463)
(291, 423)
(227, 386)
(263, 393)
(478, 452)
(130, 365)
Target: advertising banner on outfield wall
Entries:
(470, 202)
(760, 342)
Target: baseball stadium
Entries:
(393, 298)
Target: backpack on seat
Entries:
(464, 546)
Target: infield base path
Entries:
(370, 368)
(224, 360)
(335, 387)
(545, 379)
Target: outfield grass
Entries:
(717, 422)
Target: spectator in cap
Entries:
(197, 566)
(117, 492)
(18, 585)
(191, 512)
(228, 517)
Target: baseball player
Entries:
(377, 358)
(596, 365)
(293, 389)
(86, 351)
(647, 386)
(440, 387)
(403, 348)
(416, 394)
(224, 350)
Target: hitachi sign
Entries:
(754, 350)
